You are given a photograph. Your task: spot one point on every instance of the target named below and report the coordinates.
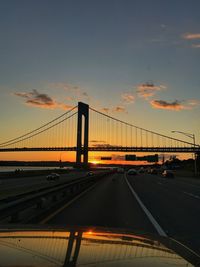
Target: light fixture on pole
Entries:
(192, 136)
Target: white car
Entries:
(53, 176)
(168, 174)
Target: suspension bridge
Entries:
(83, 129)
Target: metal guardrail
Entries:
(43, 201)
(42, 188)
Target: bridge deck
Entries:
(109, 149)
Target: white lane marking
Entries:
(158, 228)
(160, 183)
(191, 195)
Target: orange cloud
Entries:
(128, 98)
(106, 110)
(175, 105)
(117, 109)
(102, 145)
(97, 141)
(161, 104)
(36, 99)
(147, 90)
(191, 36)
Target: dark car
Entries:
(132, 172)
(91, 247)
(168, 174)
(153, 171)
(90, 173)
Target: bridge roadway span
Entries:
(177, 149)
(175, 205)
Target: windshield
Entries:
(99, 108)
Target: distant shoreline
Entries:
(35, 163)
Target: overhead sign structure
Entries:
(152, 158)
(106, 158)
(130, 157)
(148, 158)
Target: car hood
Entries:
(75, 246)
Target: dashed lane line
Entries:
(191, 195)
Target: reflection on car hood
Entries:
(89, 247)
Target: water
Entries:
(28, 168)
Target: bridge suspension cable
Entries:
(113, 133)
(106, 133)
(48, 134)
(37, 129)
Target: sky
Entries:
(138, 61)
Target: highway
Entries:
(174, 204)
(13, 186)
(109, 204)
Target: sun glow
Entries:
(95, 162)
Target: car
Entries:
(141, 170)
(168, 174)
(42, 246)
(90, 173)
(53, 176)
(153, 171)
(132, 172)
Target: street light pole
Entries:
(61, 153)
(192, 136)
(195, 158)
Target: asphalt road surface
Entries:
(109, 204)
(175, 205)
(13, 186)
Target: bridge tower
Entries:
(82, 134)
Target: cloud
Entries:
(191, 36)
(175, 105)
(36, 99)
(195, 45)
(64, 106)
(147, 90)
(65, 86)
(116, 109)
(97, 141)
(161, 104)
(119, 109)
(191, 103)
(76, 91)
(102, 145)
(106, 110)
(128, 98)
